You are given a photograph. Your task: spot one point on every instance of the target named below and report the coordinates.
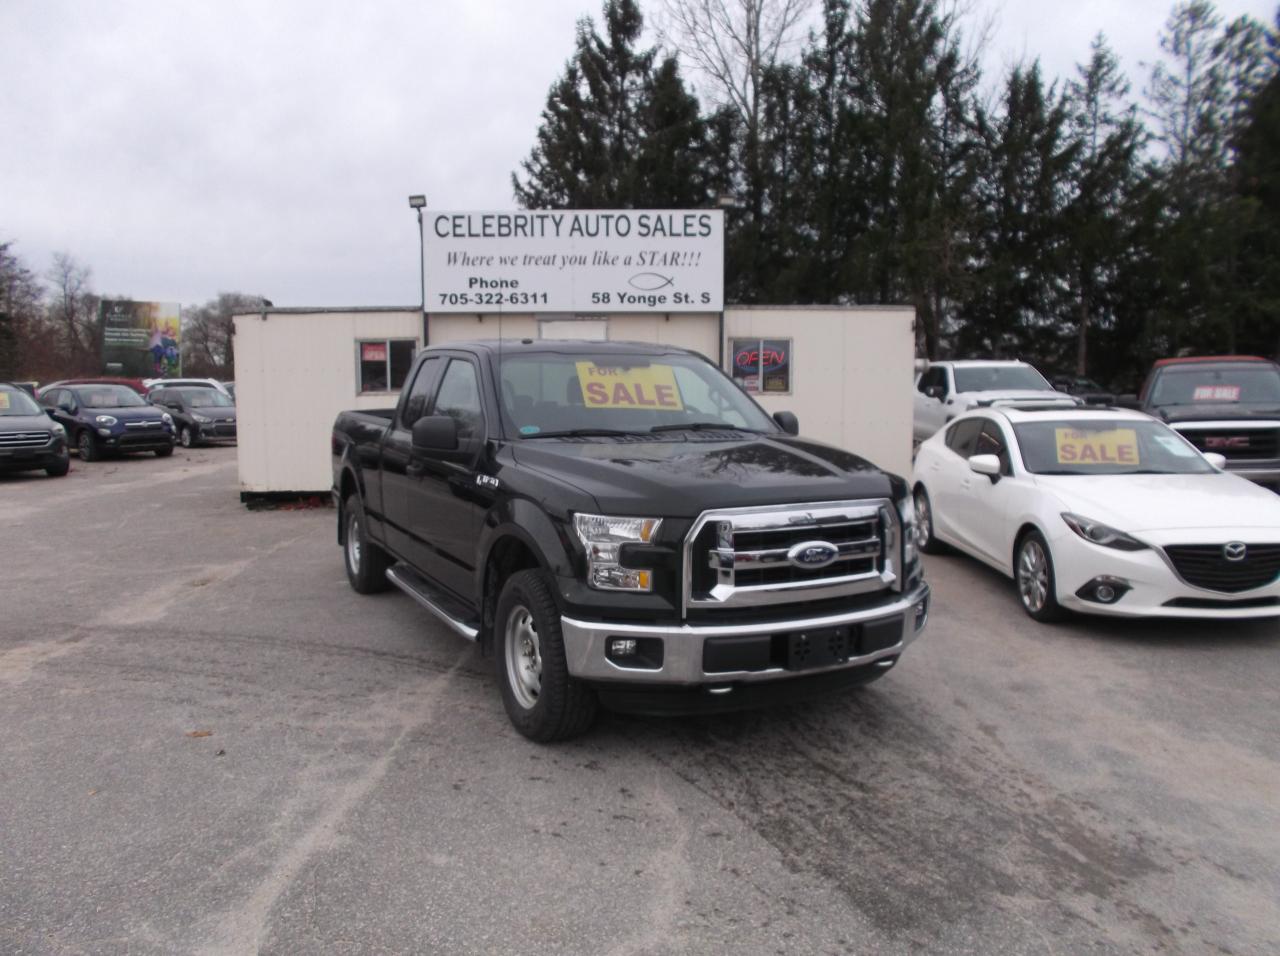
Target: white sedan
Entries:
(1103, 511)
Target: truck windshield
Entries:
(993, 378)
(1217, 384)
(1099, 447)
(16, 402)
(553, 393)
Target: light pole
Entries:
(726, 203)
(419, 203)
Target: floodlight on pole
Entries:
(419, 203)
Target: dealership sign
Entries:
(592, 261)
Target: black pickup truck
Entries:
(1226, 404)
(621, 524)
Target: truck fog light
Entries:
(635, 653)
(922, 613)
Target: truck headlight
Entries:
(603, 537)
(907, 512)
(107, 420)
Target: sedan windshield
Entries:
(109, 396)
(17, 402)
(205, 398)
(998, 378)
(545, 394)
(1100, 447)
(1215, 384)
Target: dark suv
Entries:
(199, 414)
(109, 418)
(28, 439)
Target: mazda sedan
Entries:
(1101, 511)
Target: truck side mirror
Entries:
(787, 422)
(933, 391)
(434, 433)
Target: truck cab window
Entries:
(415, 405)
(459, 398)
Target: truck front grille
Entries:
(1237, 444)
(753, 557)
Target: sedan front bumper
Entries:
(689, 655)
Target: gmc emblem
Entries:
(1235, 442)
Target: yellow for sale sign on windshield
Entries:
(650, 386)
(1114, 446)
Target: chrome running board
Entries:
(412, 584)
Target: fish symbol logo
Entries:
(650, 281)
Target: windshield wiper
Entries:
(703, 426)
(585, 433)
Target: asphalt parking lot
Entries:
(209, 744)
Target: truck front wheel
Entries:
(366, 563)
(544, 703)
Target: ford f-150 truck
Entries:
(620, 524)
(1228, 404)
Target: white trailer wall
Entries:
(295, 370)
(851, 373)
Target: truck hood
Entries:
(1218, 412)
(674, 478)
(1137, 503)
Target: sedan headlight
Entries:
(202, 419)
(107, 420)
(603, 537)
(1097, 533)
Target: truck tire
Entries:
(544, 703)
(366, 563)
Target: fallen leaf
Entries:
(199, 733)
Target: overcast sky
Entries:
(182, 149)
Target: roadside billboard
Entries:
(577, 261)
(141, 339)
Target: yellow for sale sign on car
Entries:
(1112, 446)
(649, 386)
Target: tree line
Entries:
(1069, 221)
(51, 326)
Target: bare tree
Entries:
(208, 346)
(73, 310)
(733, 44)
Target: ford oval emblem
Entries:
(812, 555)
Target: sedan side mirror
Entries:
(49, 411)
(988, 465)
(1217, 461)
(435, 433)
(787, 422)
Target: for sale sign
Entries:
(651, 386)
(592, 260)
(1114, 446)
(1216, 393)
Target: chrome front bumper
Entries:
(586, 642)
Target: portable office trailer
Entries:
(846, 372)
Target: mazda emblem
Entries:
(811, 555)
(1235, 551)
